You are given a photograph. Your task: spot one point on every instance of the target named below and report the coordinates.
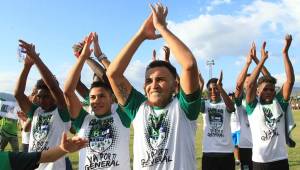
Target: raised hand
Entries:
(154, 55)
(22, 116)
(147, 30)
(219, 82)
(29, 49)
(264, 53)
(86, 51)
(73, 144)
(253, 52)
(28, 61)
(167, 53)
(97, 49)
(288, 41)
(159, 13)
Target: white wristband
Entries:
(101, 57)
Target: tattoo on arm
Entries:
(123, 91)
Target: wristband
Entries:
(101, 57)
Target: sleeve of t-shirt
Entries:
(133, 103)
(190, 103)
(64, 114)
(251, 106)
(77, 123)
(125, 119)
(86, 100)
(202, 106)
(32, 110)
(283, 103)
(22, 160)
(238, 101)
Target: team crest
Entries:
(215, 118)
(157, 130)
(101, 136)
(42, 127)
(270, 120)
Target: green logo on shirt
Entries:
(101, 135)
(157, 129)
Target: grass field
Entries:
(294, 153)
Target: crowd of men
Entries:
(164, 116)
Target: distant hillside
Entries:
(7, 96)
(296, 91)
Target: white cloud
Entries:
(281, 78)
(231, 35)
(135, 73)
(219, 2)
(8, 82)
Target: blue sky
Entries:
(218, 29)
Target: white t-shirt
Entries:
(163, 138)
(108, 146)
(216, 129)
(268, 131)
(46, 132)
(245, 130)
(234, 120)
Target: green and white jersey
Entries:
(164, 137)
(46, 132)
(245, 131)
(216, 128)
(268, 129)
(108, 138)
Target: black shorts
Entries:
(276, 165)
(246, 158)
(218, 161)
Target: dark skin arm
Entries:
(73, 102)
(264, 70)
(242, 76)
(251, 87)
(82, 89)
(23, 101)
(46, 74)
(289, 70)
(98, 52)
(228, 102)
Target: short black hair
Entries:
(231, 94)
(212, 80)
(161, 63)
(101, 84)
(266, 79)
(40, 84)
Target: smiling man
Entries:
(106, 127)
(164, 124)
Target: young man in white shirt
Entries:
(106, 127)
(266, 111)
(217, 143)
(164, 126)
(50, 118)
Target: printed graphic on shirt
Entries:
(102, 137)
(157, 132)
(40, 132)
(215, 117)
(271, 124)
